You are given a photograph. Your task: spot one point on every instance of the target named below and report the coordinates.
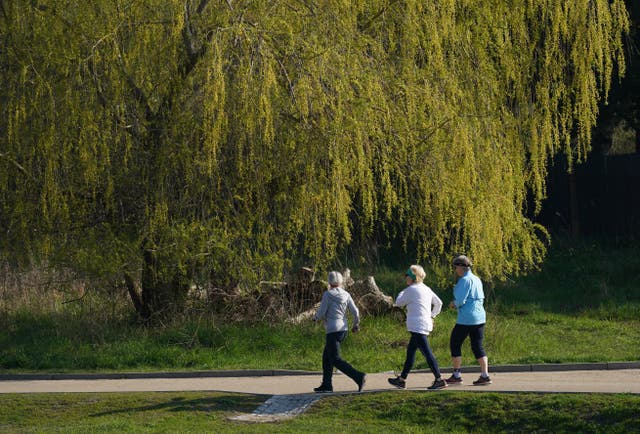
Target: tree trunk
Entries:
(158, 298)
(135, 296)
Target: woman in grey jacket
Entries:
(333, 310)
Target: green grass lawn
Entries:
(537, 337)
(400, 411)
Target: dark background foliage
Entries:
(602, 195)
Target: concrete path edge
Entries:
(282, 372)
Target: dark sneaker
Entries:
(454, 380)
(323, 389)
(360, 383)
(482, 381)
(437, 385)
(398, 382)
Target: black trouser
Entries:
(331, 357)
(419, 342)
(460, 333)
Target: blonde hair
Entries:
(418, 271)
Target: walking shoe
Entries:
(482, 381)
(323, 389)
(399, 382)
(360, 383)
(454, 380)
(438, 384)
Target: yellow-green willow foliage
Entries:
(246, 137)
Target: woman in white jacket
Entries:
(422, 306)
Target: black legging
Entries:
(460, 333)
(419, 341)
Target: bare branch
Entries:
(187, 32)
(189, 37)
(203, 4)
(377, 15)
(17, 165)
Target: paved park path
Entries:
(291, 392)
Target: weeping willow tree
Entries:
(233, 140)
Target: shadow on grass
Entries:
(225, 403)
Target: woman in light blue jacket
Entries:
(468, 299)
(333, 310)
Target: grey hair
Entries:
(462, 261)
(335, 278)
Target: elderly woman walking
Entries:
(333, 310)
(469, 301)
(422, 306)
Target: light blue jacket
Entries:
(469, 299)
